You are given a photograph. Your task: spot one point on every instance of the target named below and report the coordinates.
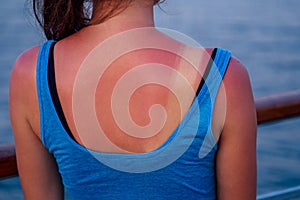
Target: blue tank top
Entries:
(182, 168)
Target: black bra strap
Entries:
(54, 94)
(207, 70)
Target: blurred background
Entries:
(264, 35)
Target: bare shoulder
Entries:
(239, 96)
(22, 77)
(236, 73)
(22, 97)
(235, 100)
(26, 62)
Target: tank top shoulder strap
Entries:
(222, 60)
(218, 67)
(208, 94)
(42, 83)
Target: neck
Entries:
(137, 14)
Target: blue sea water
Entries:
(264, 35)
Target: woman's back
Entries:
(92, 115)
(69, 60)
(186, 156)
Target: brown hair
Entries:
(61, 18)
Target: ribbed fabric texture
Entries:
(183, 168)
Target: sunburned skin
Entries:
(155, 92)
